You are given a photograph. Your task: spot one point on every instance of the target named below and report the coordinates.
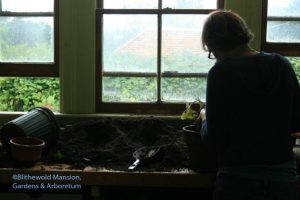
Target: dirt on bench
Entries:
(110, 143)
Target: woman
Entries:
(252, 110)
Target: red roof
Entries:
(173, 40)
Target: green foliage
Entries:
(295, 61)
(125, 89)
(183, 89)
(22, 94)
(137, 89)
(191, 113)
(57, 155)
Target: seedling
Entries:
(58, 155)
(191, 113)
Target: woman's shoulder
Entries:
(275, 56)
(237, 64)
(218, 69)
(259, 58)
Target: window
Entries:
(28, 34)
(281, 27)
(280, 30)
(28, 54)
(149, 54)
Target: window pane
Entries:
(295, 61)
(284, 8)
(128, 4)
(128, 89)
(26, 39)
(28, 5)
(181, 44)
(190, 4)
(130, 43)
(183, 89)
(22, 94)
(283, 31)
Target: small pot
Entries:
(39, 122)
(26, 150)
(202, 157)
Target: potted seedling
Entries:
(202, 158)
(191, 113)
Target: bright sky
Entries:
(28, 5)
(152, 3)
(280, 3)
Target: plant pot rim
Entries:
(190, 129)
(23, 142)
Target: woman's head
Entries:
(225, 30)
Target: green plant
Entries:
(58, 155)
(191, 113)
(295, 61)
(22, 94)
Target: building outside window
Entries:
(150, 58)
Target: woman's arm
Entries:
(216, 100)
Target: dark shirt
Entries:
(252, 106)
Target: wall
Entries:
(251, 11)
(77, 55)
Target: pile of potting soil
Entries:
(110, 143)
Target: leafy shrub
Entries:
(295, 61)
(22, 94)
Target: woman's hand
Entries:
(202, 114)
(201, 117)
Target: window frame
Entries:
(158, 107)
(286, 49)
(34, 69)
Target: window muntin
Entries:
(138, 68)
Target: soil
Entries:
(110, 143)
